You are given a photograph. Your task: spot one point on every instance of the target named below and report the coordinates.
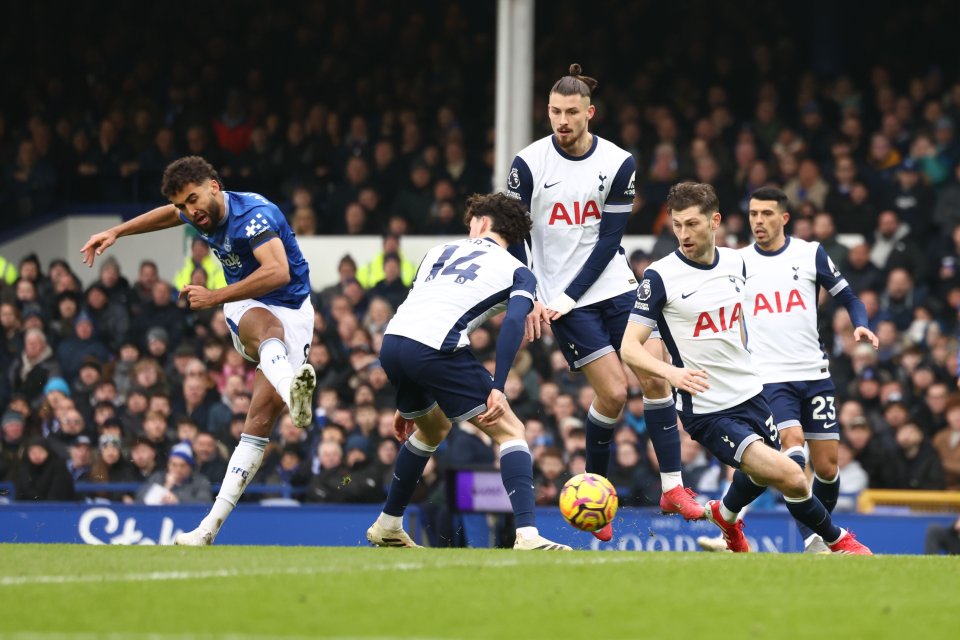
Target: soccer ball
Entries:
(588, 501)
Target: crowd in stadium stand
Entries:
(105, 384)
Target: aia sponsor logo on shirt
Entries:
(573, 214)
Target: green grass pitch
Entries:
(159, 593)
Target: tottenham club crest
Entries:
(513, 180)
(644, 292)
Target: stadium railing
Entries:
(920, 501)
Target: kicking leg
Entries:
(767, 466)
(265, 408)
(262, 333)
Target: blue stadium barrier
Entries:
(344, 525)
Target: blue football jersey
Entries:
(249, 221)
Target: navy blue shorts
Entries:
(589, 332)
(810, 405)
(425, 378)
(727, 433)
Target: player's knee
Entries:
(654, 388)
(611, 401)
(827, 470)
(794, 484)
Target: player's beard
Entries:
(214, 214)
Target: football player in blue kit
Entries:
(696, 297)
(426, 354)
(266, 304)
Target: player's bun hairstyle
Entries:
(772, 193)
(693, 194)
(509, 216)
(186, 170)
(575, 83)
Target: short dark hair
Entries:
(772, 193)
(575, 83)
(693, 194)
(509, 216)
(186, 170)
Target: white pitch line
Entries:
(161, 576)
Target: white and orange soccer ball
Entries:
(588, 501)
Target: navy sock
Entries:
(661, 419)
(796, 454)
(599, 435)
(516, 471)
(411, 460)
(811, 512)
(827, 492)
(741, 492)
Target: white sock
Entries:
(843, 532)
(670, 480)
(276, 366)
(528, 532)
(390, 522)
(728, 515)
(242, 467)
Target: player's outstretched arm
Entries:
(154, 220)
(644, 364)
(273, 273)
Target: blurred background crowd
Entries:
(365, 118)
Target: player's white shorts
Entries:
(297, 327)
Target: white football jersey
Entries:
(567, 197)
(782, 288)
(459, 285)
(698, 309)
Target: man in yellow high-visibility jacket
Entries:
(372, 272)
(200, 257)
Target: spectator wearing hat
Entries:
(158, 344)
(80, 459)
(290, 472)
(110, 466)
(178, 484)
(42, 475)
(111, 319)
(912, 199)
(947, 444)
(36, 365)
(73, 351)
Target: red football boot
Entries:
(605, 534)
(680, 500)
(849, 545)
(732, 531)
